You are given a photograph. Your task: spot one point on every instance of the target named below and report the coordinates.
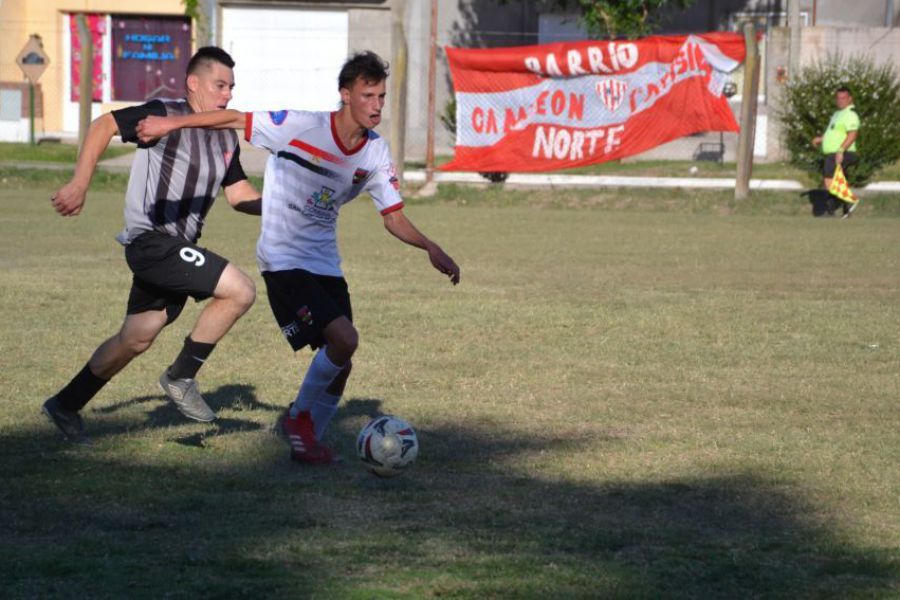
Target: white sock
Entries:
(322, 411)
(319, 376)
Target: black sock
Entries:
(190, 359)
(80, 390)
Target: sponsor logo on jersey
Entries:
(304, 316)
(291, 329)
(278, 116)
(323, 198)
(395, 183)
(321, 206)
(359, 176)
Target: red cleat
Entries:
(305, 448)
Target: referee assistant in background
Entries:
(839, 146)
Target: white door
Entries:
(285, 58)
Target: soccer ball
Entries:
(387, 445)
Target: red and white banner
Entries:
(563, 105)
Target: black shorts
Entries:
(850, 159)
(305, 303)
(167, 270)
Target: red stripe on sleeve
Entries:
(248, 125)
(391, 209)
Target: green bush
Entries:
(448, 117)
(809, 104)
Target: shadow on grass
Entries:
(358, 407)
(236, 397)
(219, 427)
(91, 522)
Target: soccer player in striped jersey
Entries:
(172, 186)
(319, 161)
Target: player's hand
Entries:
(817, 140)
(443, 263)
(839, 157)
(69, 199)
(152, 128)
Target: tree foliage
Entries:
(192, 8)
(621, 18)
(809, 103)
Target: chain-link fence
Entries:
(472, 27)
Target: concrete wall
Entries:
(862, 13)
(881, 44)
(14, 31)
(463, 23)
(712, 15)
(370, 29)
(878, 43)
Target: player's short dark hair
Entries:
(367, 66)
(206, 56)
(843, 88)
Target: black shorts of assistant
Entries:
(850, 159)
(167, 270)
(305, 303)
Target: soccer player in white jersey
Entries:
(319, 161)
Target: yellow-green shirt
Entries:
(842, 122)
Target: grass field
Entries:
(66, 154)
(681, 168)
(53, 152)
(623, 398)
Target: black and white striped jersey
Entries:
(175, 180)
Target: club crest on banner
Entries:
(611, 92)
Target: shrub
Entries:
(448, 117)
(809, 104)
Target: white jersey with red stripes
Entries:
(309, 176)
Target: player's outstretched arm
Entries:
(69, 199)
(154, 127)
(403, 229)
(243, 197)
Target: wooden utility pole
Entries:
(398, 85)
(86, 72)
(748, 115)
(432, 68)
